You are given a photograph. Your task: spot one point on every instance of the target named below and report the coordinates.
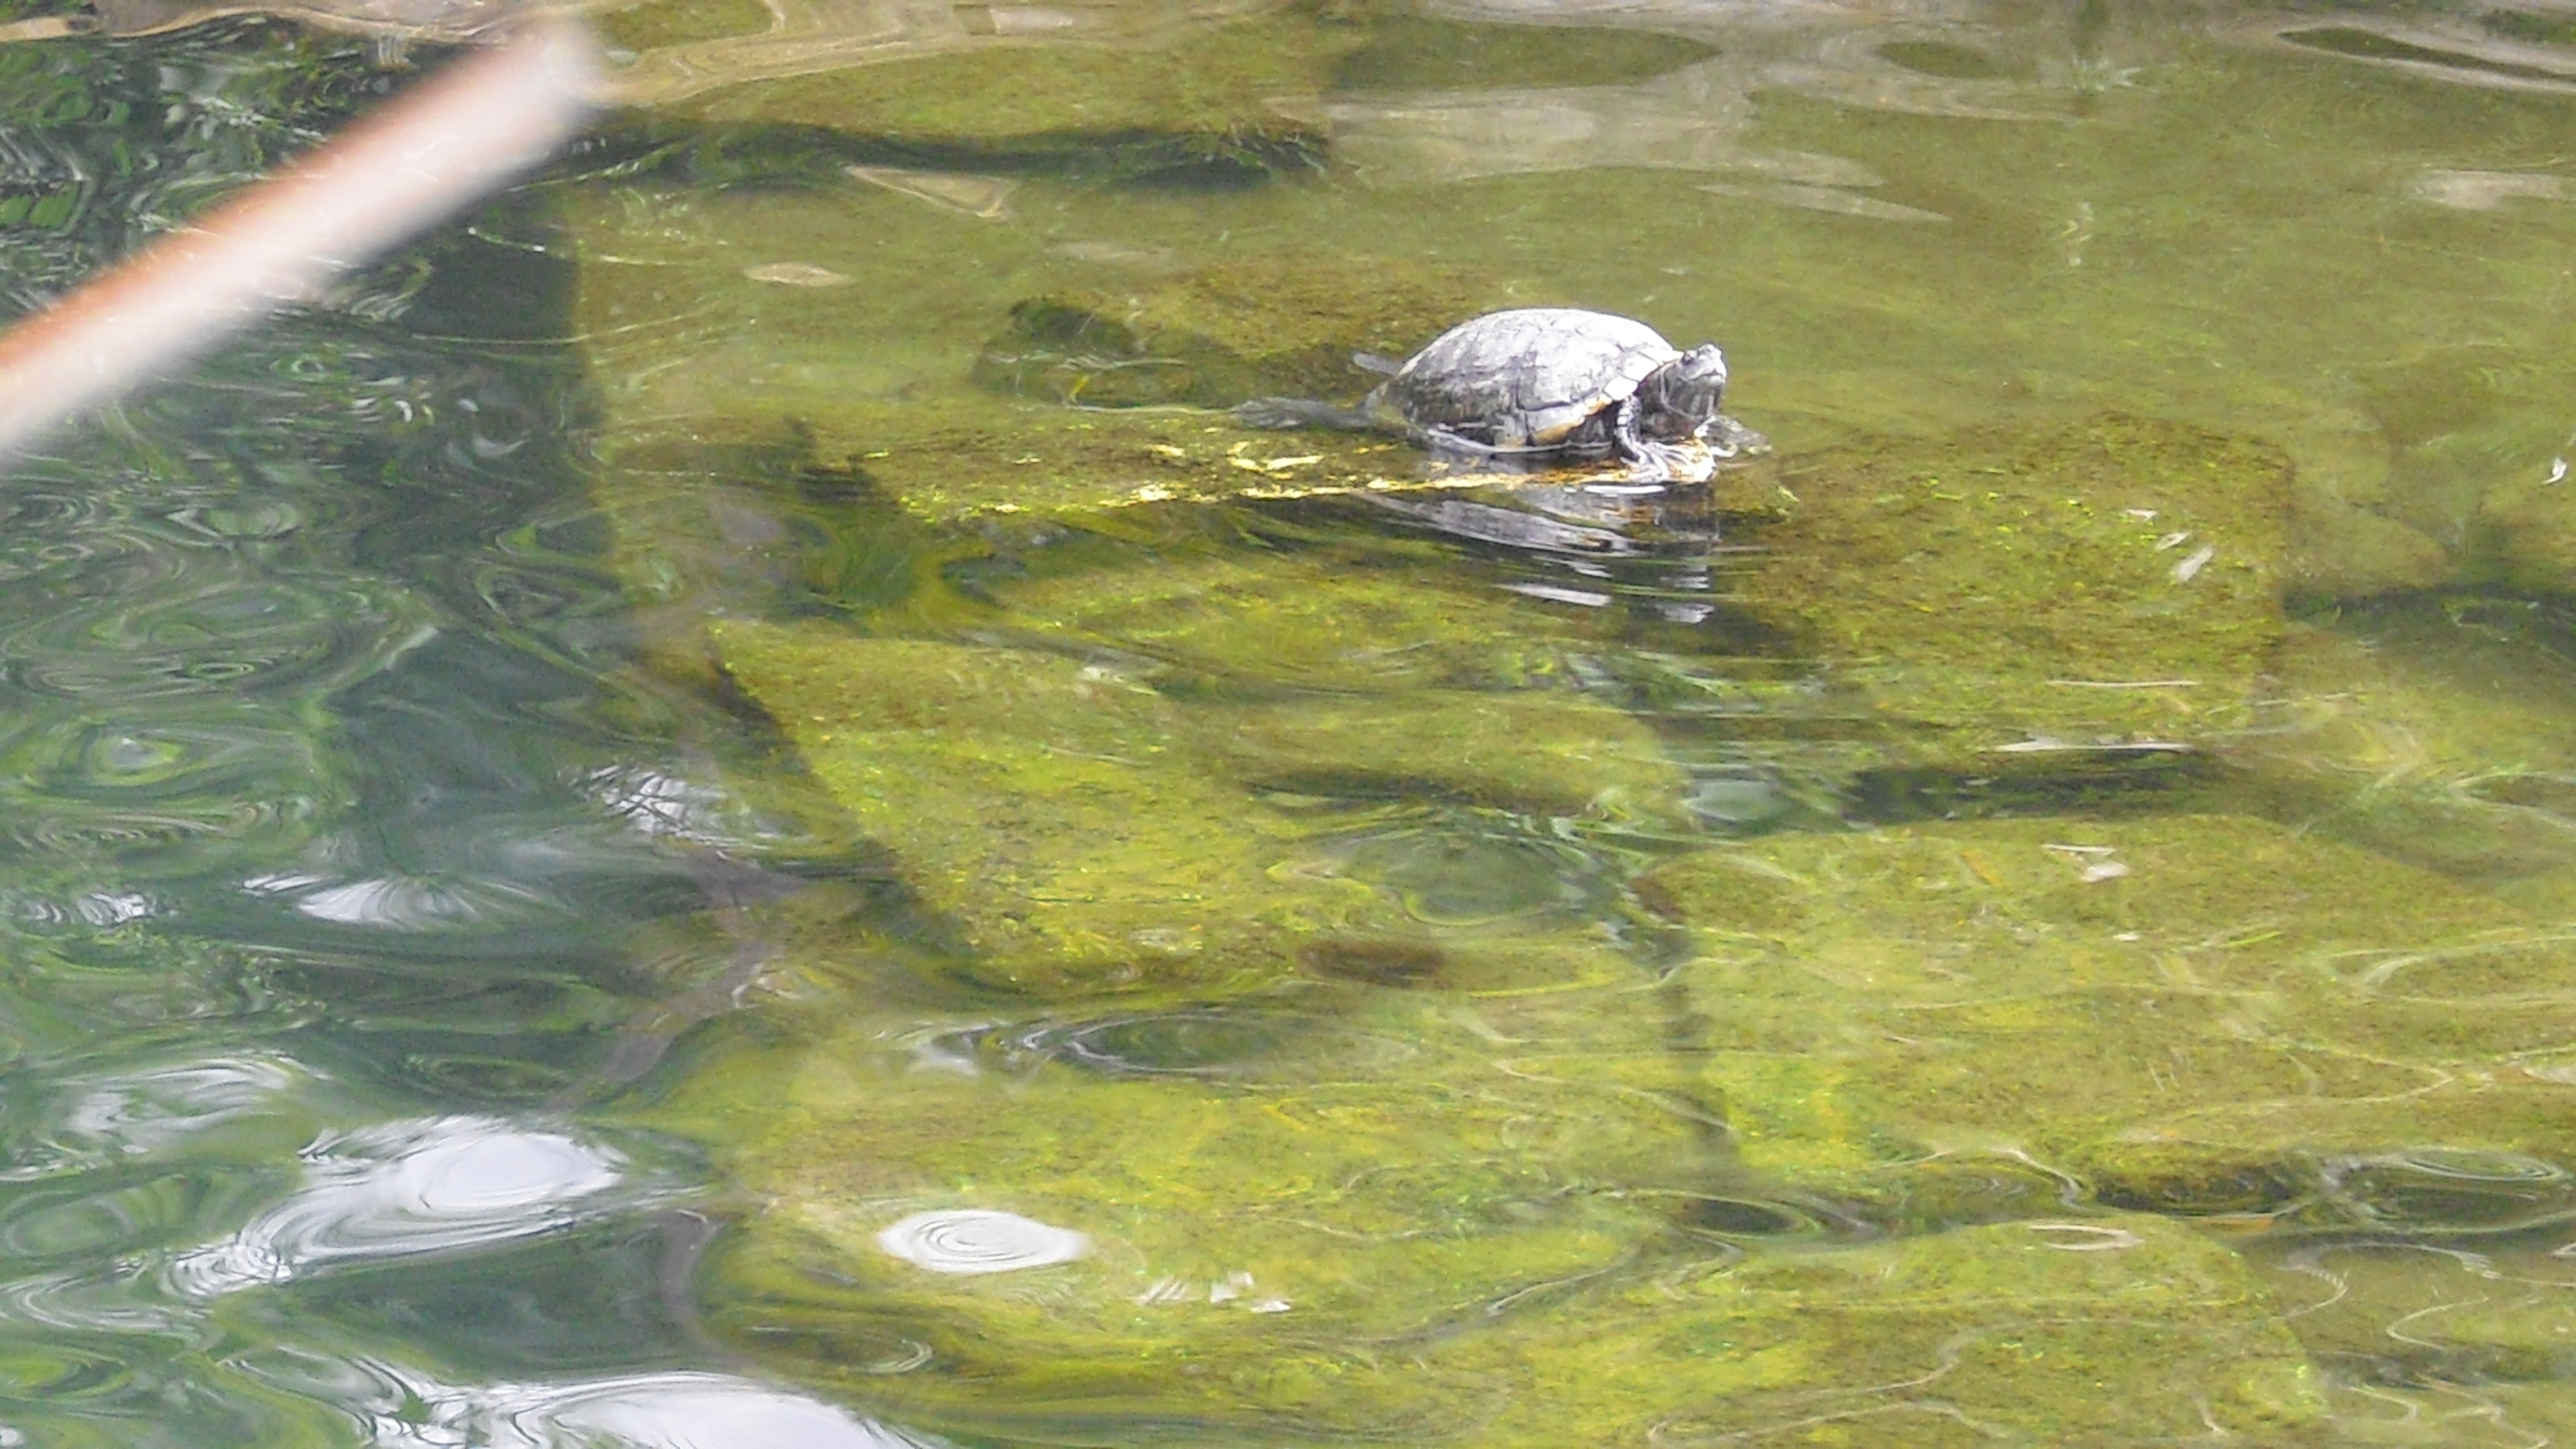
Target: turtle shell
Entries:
(1524, 378)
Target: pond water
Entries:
(725, 805)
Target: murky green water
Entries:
(724, 806)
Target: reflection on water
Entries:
(412, 1187)
(662, 1411)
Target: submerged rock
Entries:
(1194, 76)
(1445, 1213)
(2007, 598)
(1084, 832)
(888, 356)
(2432, 729)
(1213, 336)
(2186, 1013)
(1036, 803)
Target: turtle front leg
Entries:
(1648, 461)
(1728, 438)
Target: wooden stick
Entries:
(410, 163)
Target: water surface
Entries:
(723, 803)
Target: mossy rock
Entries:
(2432, 728)
(1003, 79)
(1268, 1188)
(2495, 1318)
(2116, 584)
(1084, 833)
(1040, 804)
(1472, 1225)
(1273, 326)
(1320, 621)
(2525, 528)
(2101, 1330)
(730, 330)
(2192, 1013)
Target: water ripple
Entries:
(143, 1112)
(680, 1410)
(210, 635)
(408, 1188)
(403, 902)
(980, 1240)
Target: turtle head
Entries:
(1680, 398)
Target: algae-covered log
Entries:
(2190, 1012)
(2113, 584)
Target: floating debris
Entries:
(979, 1240)
(796, 274)
(1822, 198)
(2190, 568)
(2092, 863)
(1119, 254)
(2045, 745)
(987, 198)
(2087, 1237)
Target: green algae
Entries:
(1410, 51)
(2189, 1012)
(2431, 729)
(2114, 584)
(1220, 334)
(1513, 1227)
(1026, 799)
(1376, 1182)
(860, 359)
(1317, 620)
(2453, 1336)
(646, 28)
(2250, 1021)
(1086, 833)
(1197, 81)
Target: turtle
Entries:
(1545, 383)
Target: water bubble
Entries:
(979, 1240)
